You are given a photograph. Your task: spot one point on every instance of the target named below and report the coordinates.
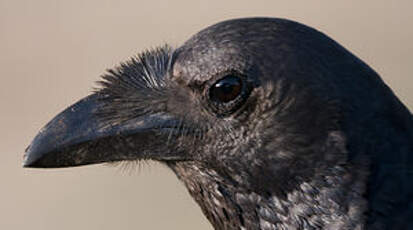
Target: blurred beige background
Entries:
(52, 52)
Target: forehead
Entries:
(204, 60)
(236, 45)
(226, 46)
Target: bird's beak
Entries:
(78, 137)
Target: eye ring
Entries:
(227, 94)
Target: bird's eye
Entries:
(228, 94)
(226, 89)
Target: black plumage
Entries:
(270, 124)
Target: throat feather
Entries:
(333, 200)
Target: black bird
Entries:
(270, 124)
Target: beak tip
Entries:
(35, 156)
(26, 164)
(29, 159)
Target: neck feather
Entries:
(330, 200)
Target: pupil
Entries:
(226, 89)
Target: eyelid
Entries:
(224, 109)
(209, 83)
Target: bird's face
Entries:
(233, 99)
(264, 120)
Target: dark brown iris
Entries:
(226, 89)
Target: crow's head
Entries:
(258, 105)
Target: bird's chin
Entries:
(78, 137)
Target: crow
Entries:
(269, 124)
